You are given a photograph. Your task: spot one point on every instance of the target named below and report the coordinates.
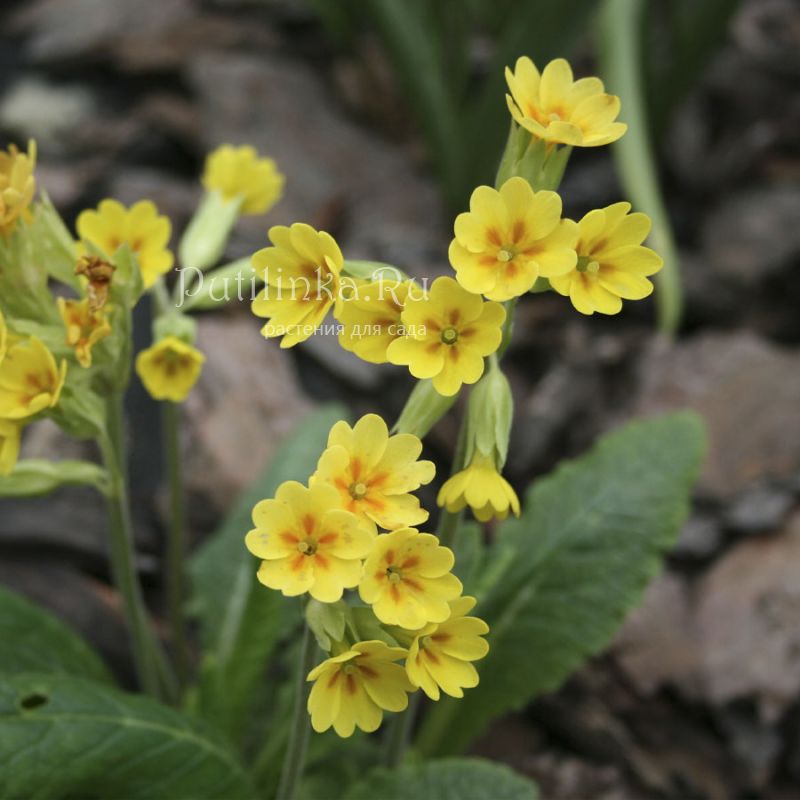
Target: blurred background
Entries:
(383, 115)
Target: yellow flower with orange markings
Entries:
(353, 689)
(308, 543)
(560, 110)
(408, 580)
(481, 487)
(612, 263)
(448, 333)
(301, 272)
(85, 327)
(374, 473)
(509, 238)
(9, 445)
(30, 379)
(371, 318)
(141, 227)
(239, 172)
(17, 186)
(170, 369)
(440, 656)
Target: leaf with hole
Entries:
(63, 737)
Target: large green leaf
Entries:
(65, 737)
(240, 620)
(35, 641)
(448, 779)
(590, 540)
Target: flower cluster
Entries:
(325, 538)
(513, 240)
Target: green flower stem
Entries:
(294, 760)
(146, 650)
(176, 541)
(621, 56)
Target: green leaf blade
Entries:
(64, 737)
(447, 779)
(590, 540)
(35, 641)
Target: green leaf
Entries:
(590, 540)
(55, 246)
(36, 641)
(67, 737)
(36, 476)
(241, 621)
(447, 779)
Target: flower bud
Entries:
(490, 412)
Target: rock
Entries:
(246, 402)
(747, 391)
(759, 509)
(339, 176)
(700, 538)
(33, 108)
(756, 745)
(754, 234)
(657, 645)
(748, 623)
(66, 30)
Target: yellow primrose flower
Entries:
(308, 542)
(440, 655)
(407, 579)
(374, 473)
(371, 318)
(301, 271)
(448, 333)
(612, 264)
(17, 186)
(509, 238)
(239, 172)
(169, 369)
(9, 445)
(141, 227)
(30, 379)
(560, 110)
(85, 327)
(353, 689)
(481, 487)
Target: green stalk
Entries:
(621, 56)
(145, 647)
(176, 541)
(294, 760)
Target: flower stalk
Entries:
(149, 665)
(176, 541)
(295, 758)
